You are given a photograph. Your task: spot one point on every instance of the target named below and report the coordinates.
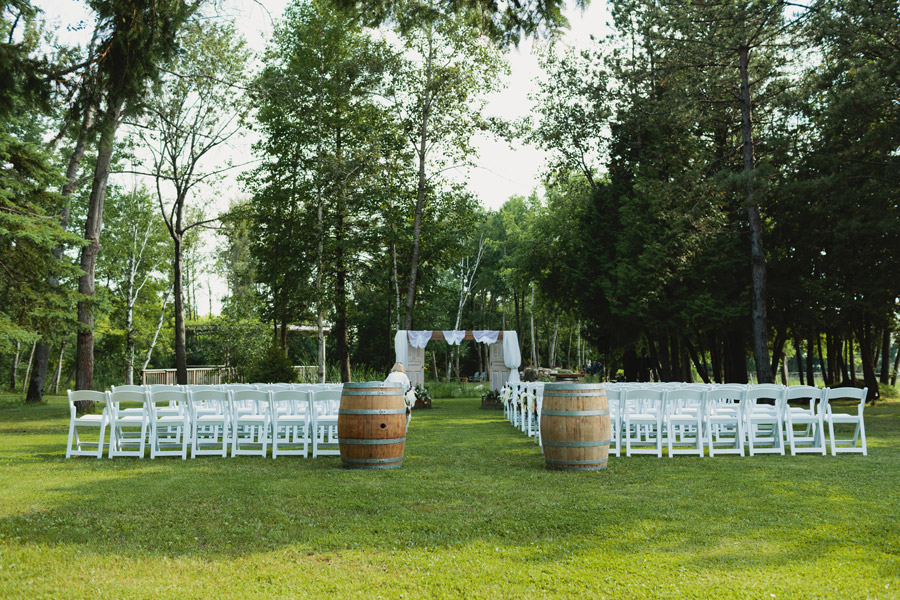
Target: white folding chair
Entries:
(763, 422)
(614, 400)
(169, 423)
(129, 420)
(683, 421)
(809, 416)
(249, 422)
(833, 418)
(76, 446)
(724, 420)
(209, 422)
(642, 420)
(289, 410)
(323, 408)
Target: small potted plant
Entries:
(491, 400)
(423, 398)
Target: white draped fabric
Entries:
(454, 337)
(512, 358)
(401, 348)
(486, 337)
(418, 339)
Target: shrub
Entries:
(272, 367)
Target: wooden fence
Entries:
(209, 375)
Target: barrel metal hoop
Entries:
(603, 468)
(374, 411)
(371, 467)
(576, 444)
(370, 385)
(560, 394)
(575, 413)
(578, 387)
(372, 442)
(368, 461)
(576, 462)
(374, 392)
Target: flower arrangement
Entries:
(492, 399)
(423, 398)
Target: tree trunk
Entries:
(826, 366)
(896, 368)
(553, 342)
(518, 321)
(695, 358)
(851, 360)
(159, 324)
(38, 373)
(62, 350)
(15, 367)
(422, 152)
(798, 354)
(534, 352)
(757, 252)
(30, 363)
(84, 351)
(180, 331)
(777, 350)
(886, 355)
(865, 337)
(715, 356)
(810, 372)
(340, 303)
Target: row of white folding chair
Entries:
(171, 419)
(727, 415)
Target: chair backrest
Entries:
(174, 398)
(684, 398)
(214, 399)
(239, 387)
(164, 387)
(128, 388)
(274, 387)
(118, 398)
(325, 402)
(845, 393)
(644, 400)
(764, 391)
(87, 396)
(294, 402)
(804, 392)
(204, 388)
(254, 400)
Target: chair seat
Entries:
(95, 420)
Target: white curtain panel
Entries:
(486, 337)
(419, 339)
(512, 358)
(454, 337)
(401, 348)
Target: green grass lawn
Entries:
(472, 514)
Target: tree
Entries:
(135, 37)
(34, 308)
(198, 110)
(135, 249)
(440, 95)
(326, 135)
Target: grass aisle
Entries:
(472, 514)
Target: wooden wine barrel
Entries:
(371, 425)
(575, 428)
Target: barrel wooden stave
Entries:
(575, 427)
(372, 427)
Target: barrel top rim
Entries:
(372, 384)
(581, 387)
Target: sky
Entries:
(501, 169)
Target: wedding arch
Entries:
(503, 346)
